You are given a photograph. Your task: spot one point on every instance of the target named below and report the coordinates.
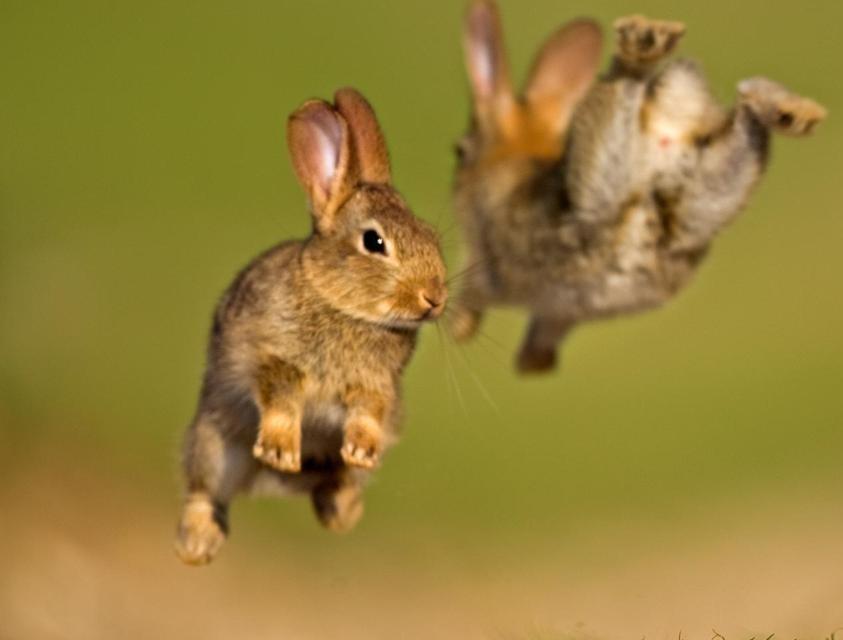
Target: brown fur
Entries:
(610, 207)
(301, 391)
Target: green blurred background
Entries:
(143, 162)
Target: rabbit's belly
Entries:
(322, 431)
(666, 152)
(631, 279)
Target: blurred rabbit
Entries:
(301, 389)
(582, 201)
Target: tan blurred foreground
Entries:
(83, 561)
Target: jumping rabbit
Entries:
(582, 200)
(308, 344)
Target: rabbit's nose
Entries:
(433, 301)
(432, 298)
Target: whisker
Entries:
(466, 271)
(444, 357)
(454, 226)
(439, 220)
(452, 376)
(480, 386)
(502, 349)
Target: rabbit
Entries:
(308, 344)
(582, 200)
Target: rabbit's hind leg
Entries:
(778, 108)
(642, 43)
(216, 469)
(539, 350)
(338, 501)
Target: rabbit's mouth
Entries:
(411, 322)
(413, 306)
(404, 323)
(432, 314)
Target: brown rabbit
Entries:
(301, 389)
(581, 204)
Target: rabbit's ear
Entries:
(370, 152)
(318, 139)
(485, 59)
(562, 73)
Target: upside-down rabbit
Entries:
(582, 200)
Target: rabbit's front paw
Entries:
(279, 442)
(641, 39)
(463, 322)
(780, 109)
(362, 443)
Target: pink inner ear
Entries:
(482, 43)
(328, 157)
(483, 69)
(328, 142)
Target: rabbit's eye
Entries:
(373, 243)
(461, 151)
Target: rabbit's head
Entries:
(368, 256)
(512, 136)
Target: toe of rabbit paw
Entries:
(779, 108)
(279, 444)
(355, 456)
(362, 445)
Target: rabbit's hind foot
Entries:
(777, 108)
(202, 530)
(534, 360)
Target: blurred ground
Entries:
(89, 561)
(682, 472)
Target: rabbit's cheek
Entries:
(384, 306)
(407, 301)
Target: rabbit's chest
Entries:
(351, 355)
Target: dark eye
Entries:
(373, 243)
(461, 151)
